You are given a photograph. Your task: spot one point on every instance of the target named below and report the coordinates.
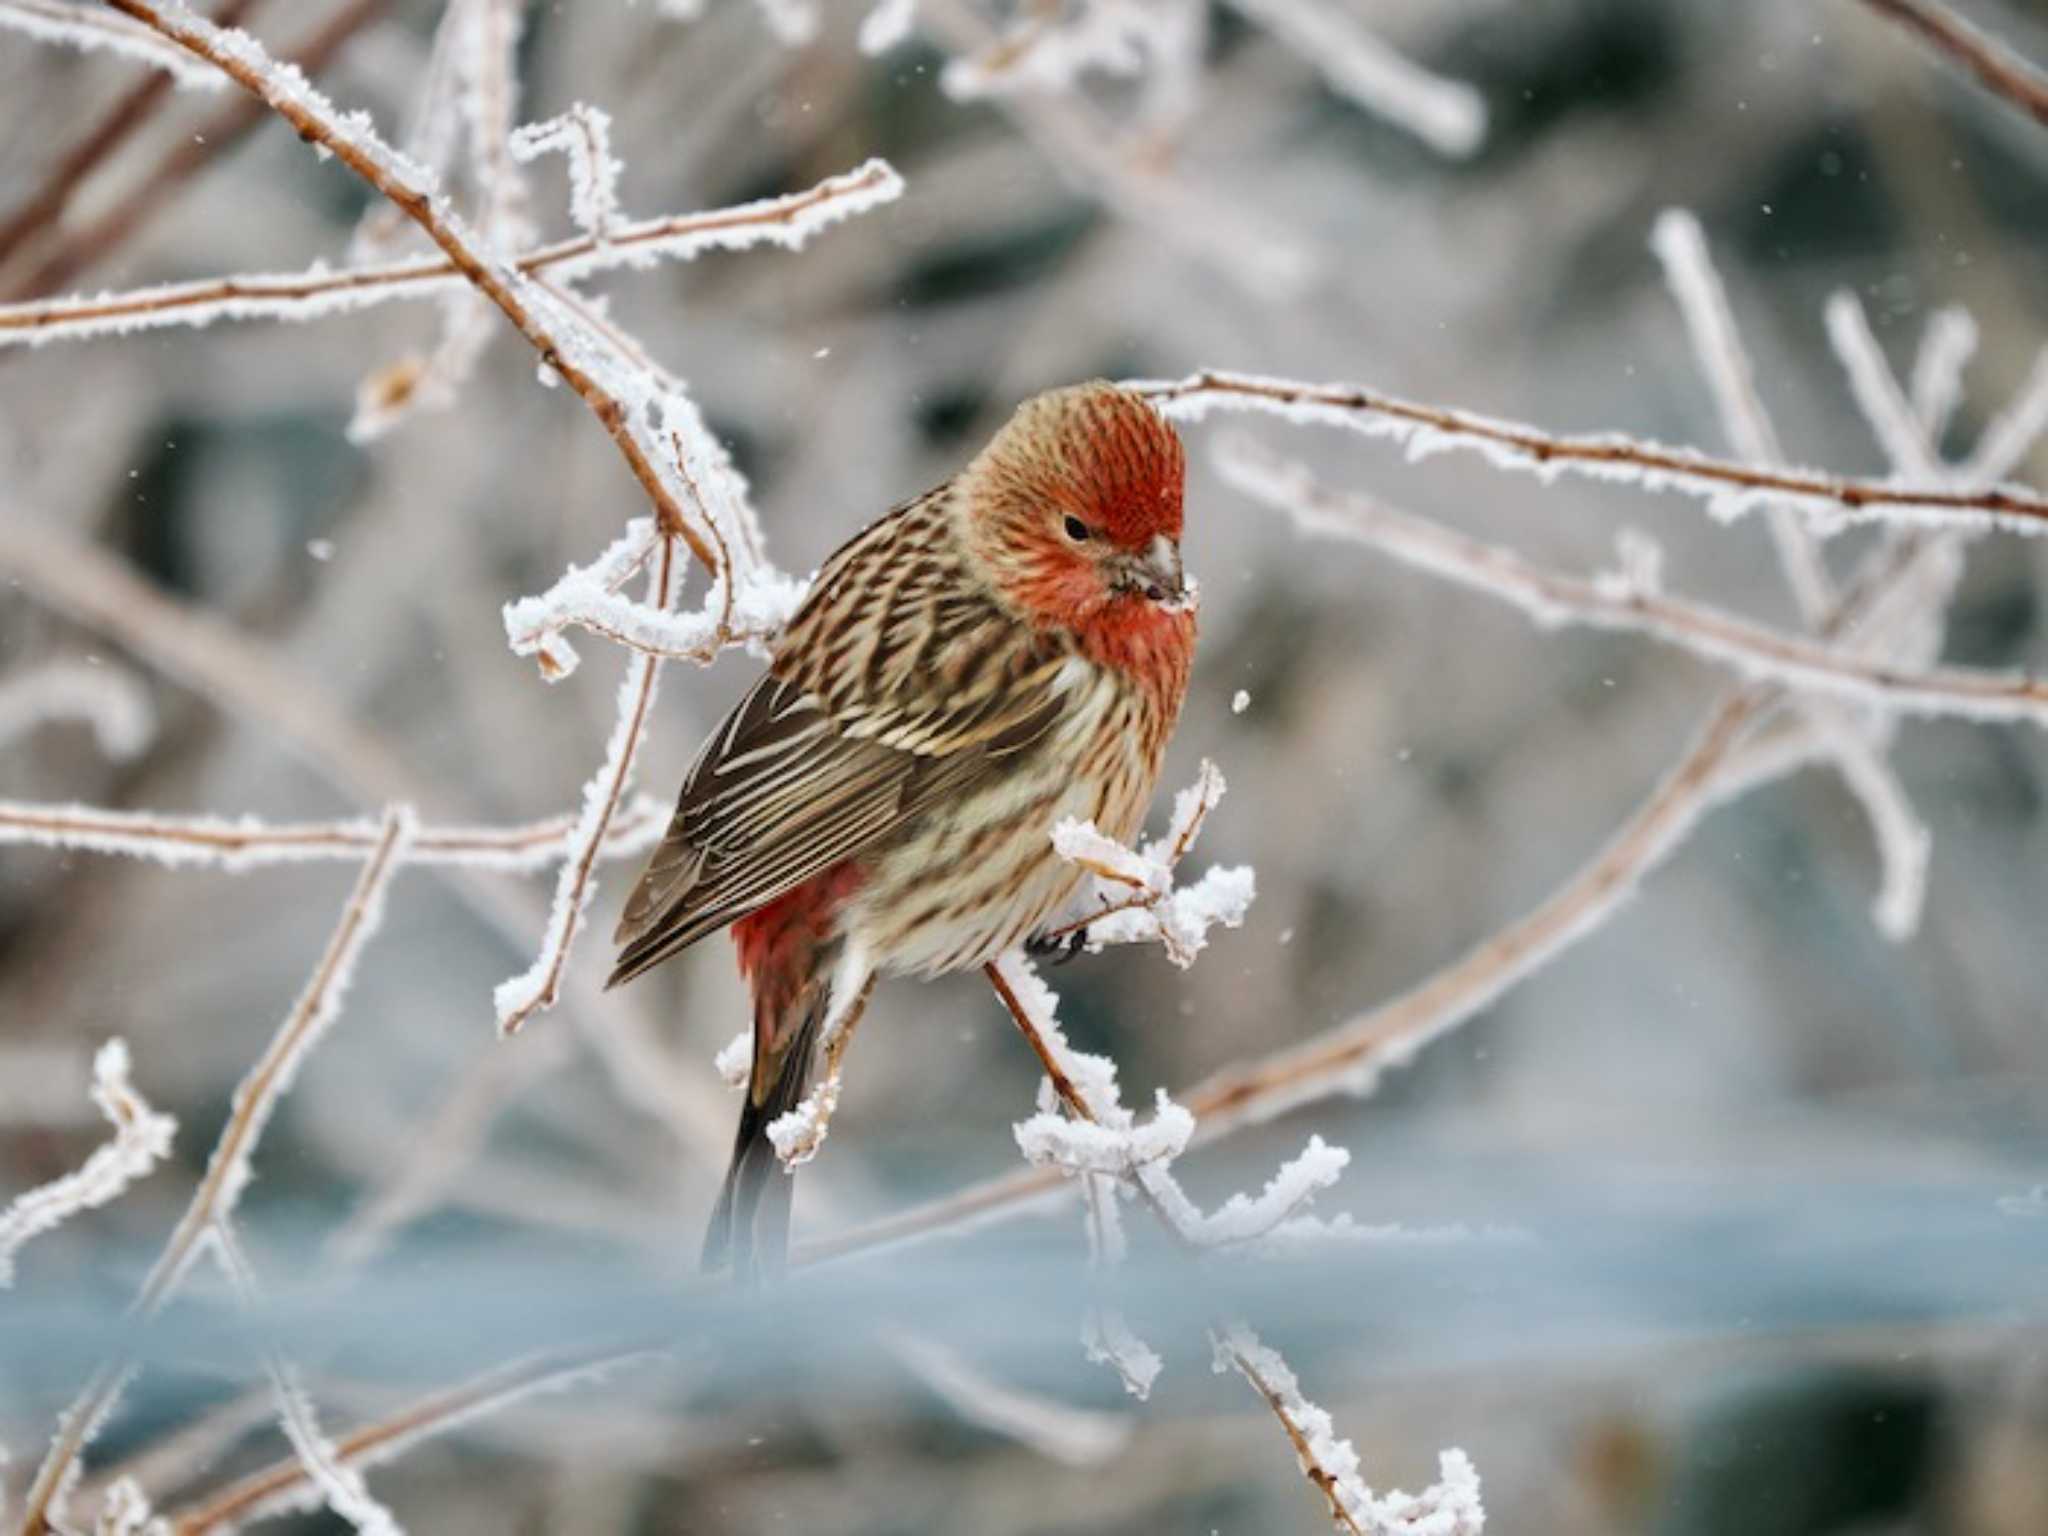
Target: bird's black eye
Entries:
(1077, 530)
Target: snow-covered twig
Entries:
(341, 1486)
(536, 988)
(287, 1486)
(1617, 602)
(1997, 68)
(237, 843)
(320, 292)
(750, 609)
(89, 28)
(1729, 489)
(1447, 115)
(574, 353)
(1133, 898)
(228, 1169)
(582, 136)
(142, 1139)
(110, 699)
(1449, 1508)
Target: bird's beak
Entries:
(1156, 571)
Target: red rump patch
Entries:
(778, 942)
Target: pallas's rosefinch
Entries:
(1004, 651)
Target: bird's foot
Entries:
(1059, 948)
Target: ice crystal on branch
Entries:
(142, 1139)
(1133, 895)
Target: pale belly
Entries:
(977, 876)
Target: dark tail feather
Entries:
(750, 1224)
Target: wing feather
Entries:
(819, 763)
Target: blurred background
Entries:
(1759, 1238)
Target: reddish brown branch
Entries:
(191, 154)
(318, 126)
(1997, 68)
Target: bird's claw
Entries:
(1059, 948)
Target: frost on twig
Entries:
(237, 843)
(519, 997)
(1447, 115)
(341, 1486)
(588, 597)
(142, 1139)
(1631, 599)
(227, 1174)
(887, 23)
(1450, 1507)
(1133, 898)
(583, 137)
(1729, 489)
(320, 291)
(90, 27)
(110, 699)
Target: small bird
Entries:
(1006, 650)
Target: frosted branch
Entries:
(320, 292)
(237, 843)
(1449, 1508)
(1447, 115)
(1549, 598)
(1133, 897)
(90, 29)
(341, 1486)
(227, 1170)
(112, 700)
(1729, 489)
(536, 988)
(1946, 348)
(583, 137)
(887, 23)
(1997, 68)
(142, 1139)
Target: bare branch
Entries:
(227, 1170)
(536, 988)
(1729, 489)
(245, 842)
(319, 292)
(142, 1139)
(1630, 603)
(1997, 68)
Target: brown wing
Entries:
(857, 728)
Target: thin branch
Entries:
(318, 292)
(239, 843)
(142, 1139)
(227, 1170)
(536, 988)
(188, 155)
(43, 208)
(358, 147)
(90, 29)
(1730, 489)
(1997, 68)
(283, 1483)
(1630, 602)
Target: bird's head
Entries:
(1074, 509)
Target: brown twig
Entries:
(1550, 596)
(1511, 444)
(302, 295)
(42, 208)
(370, 159)
(243, 841)
(536, 989)
(1997, 68)
(185, 159)
(227, 1169)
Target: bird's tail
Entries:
(750, 1224)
